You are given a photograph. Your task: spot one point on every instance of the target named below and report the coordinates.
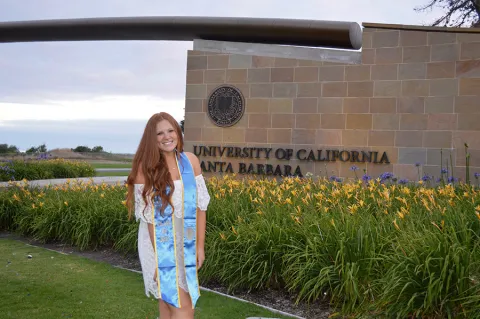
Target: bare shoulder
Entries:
(140, 177)
(195, 163)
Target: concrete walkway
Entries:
(96, 180)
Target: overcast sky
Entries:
(67, 94)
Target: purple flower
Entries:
(386, 175)
(354, 168)
(42, 156)
(444, 171)
(477, 175)
(452, 179)
(338, 180)
(426, 178)
(403, 181)
(366, 178)
(8, 171)
(333, 178)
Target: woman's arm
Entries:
(201, 229)
(201, 215)
(140, 179)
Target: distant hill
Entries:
(67, 153)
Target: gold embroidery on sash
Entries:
(156, 255)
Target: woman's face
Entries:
(166, 136)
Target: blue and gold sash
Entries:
(165, 243)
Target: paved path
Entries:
(96, 180)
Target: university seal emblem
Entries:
(226, 106)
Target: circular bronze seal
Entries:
(226, 105)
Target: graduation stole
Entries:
(165, 243)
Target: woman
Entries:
(168, 193)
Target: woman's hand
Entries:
(200, 257)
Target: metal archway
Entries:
(311, 33)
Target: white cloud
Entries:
(99, 108)
(116, 136)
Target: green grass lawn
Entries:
(52, 285)
(111, 165)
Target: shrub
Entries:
(44, 169)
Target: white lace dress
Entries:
(145, 249)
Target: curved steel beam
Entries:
(313, 33)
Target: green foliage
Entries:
(97, 149)
(86, 149)
(84, 215)
(35, 150)
(82, 149)
(8, 149)
(371, 250)
(44, 169)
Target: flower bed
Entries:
(370, 248)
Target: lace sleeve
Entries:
(142, 212)
(203, 198)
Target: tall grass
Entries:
(371, 249)
(77, 213)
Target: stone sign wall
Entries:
(415, 92)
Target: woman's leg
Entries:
(164, 310)
(186, 312)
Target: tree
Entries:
(8, 149)
(32, 150)
(39, 149)
(82, 149)
(3, 148)
(13, 149)
(458, 13)
(97, 149)
(42, 148)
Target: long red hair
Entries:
(152, 162)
